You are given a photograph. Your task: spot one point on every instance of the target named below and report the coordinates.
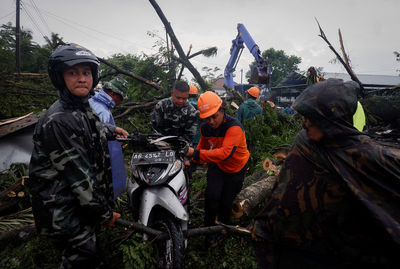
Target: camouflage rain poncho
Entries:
(69, 174)
(337, 201)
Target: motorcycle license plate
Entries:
(167, 156)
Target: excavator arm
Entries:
(260, 74)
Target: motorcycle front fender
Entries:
(163, 197)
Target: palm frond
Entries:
(16, 220)
(210, 52)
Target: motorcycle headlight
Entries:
(175, 168)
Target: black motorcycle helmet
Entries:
(68, 55)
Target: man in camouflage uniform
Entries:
(174, 115)
(69, 173)
(111, 95)
(337, 200)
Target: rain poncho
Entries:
(337, 201)
(101, 103)
(69, 173)
(248, 110)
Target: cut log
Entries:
(270, 167)
(279, 155)
(11, 197)
(253, 195)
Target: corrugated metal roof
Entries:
(366, 79)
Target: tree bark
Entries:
(253, 195)
(178, 47)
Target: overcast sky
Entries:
(370, 28)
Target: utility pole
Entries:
(17, 35)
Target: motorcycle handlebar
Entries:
(144, 139)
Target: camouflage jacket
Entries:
(168, 119)
(196, 137)
(338, 197)
(69, 173)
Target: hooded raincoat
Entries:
(69, 172)
(337, 201)
(248, 110)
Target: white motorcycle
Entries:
(158, 193)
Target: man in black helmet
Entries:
(70, 177)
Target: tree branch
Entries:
(183, 66)
(109, 74)
(178, 46)
(159, 235)
(137, 77)
(206, 52)
(348, 69)
(148, 104)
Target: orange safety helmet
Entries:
(254, 91)
(193, 89)
(208, 104)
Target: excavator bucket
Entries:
(259, 76)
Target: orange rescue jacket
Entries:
(225, 146)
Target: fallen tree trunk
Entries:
(178, 47)
(253, 195)
(255, 177)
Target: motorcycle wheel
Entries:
(169, 253)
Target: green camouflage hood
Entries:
(117, 85)
(339, 197)
(331, 105)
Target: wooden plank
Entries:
(14, 125)
(14, 119)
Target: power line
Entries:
(62, 20)
(12, 12)
(40, 16)
(69, 22)
(32, 19)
